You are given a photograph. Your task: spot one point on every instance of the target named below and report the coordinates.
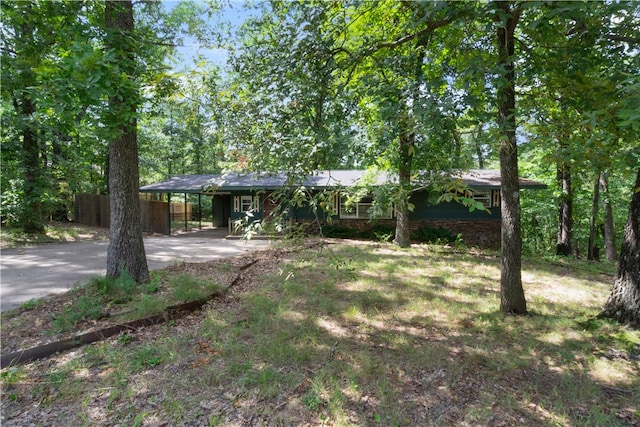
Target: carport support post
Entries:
(200, 211)
(168, 214)
(186, 224)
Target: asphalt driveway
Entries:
(31, 273)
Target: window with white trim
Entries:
(483, 196)
(360, 210)
(248, 203)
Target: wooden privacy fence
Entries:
(93, 209)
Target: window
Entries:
(360, 210)
(484, 197)
(248, 203)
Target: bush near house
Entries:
(386, 233)
(339, 231)
(433, 235)
(380, 232)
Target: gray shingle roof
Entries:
(476, 178)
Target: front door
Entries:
(221, 210)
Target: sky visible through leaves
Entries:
(234, 13)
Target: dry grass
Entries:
(358, 334)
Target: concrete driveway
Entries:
(31, 273)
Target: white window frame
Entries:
(483, 196)
(361, 209)
(248, 203)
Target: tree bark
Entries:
(25, 106)
(406, 150)
(512, 298)
(565, 207)
(477, 142)
(592, 254)
(126, 247)
(32, 211)
(623, 304)
(609, 229)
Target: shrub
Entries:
(433, 235)
(380, 232)
(339, 231)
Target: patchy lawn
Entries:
(353, 333)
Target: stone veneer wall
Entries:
(483, 233)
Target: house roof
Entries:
(490, 179)
(476, 178)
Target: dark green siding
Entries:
(306, 213)
(446, 210)
(239, 214)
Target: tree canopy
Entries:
(547, 88)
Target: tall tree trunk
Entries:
(456, 153)
(32, 211)
(25, 106)
(565, 206)
(406, 149)
(609, 230)
(320, 133)
(126, 247)
(592, 253)
(512, 298)
(624, 301)
(477, 142)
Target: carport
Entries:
(232, 193)
(191, 184)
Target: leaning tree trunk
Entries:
(592, 251)
(609, 230)
(565, 215)
(624, 301)
(126, 247)
(511, 293)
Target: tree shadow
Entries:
(487, 367)
(375, 342)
